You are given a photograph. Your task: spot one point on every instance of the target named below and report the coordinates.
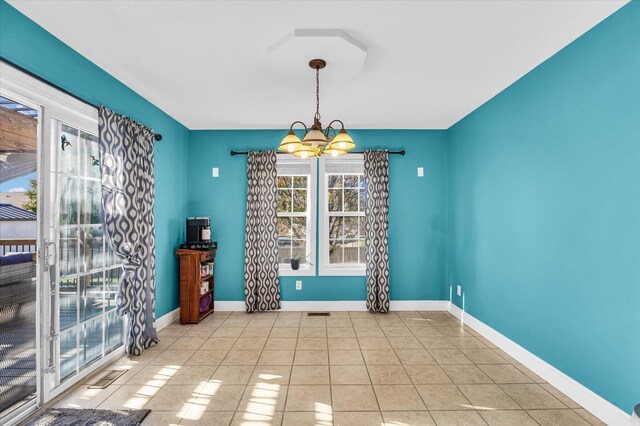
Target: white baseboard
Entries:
(419, 305)
(167, 319)
(592, 402)
(341, 305)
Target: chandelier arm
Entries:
(306, 130)
(335, 121)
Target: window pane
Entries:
(350, 181)
(361, 181)
(68, 143)
(284, 200)
(284, 181)
(350, 200)
(300, 182)
(351, 227)
(111, 283)
(335, 181)
(362, 222)
(110, 257)
(114, 331)
(362, 200)
(299, 249)
(68, 251)
(68, 353)
(92, 211)
(91, 296)
(299, 200)
(335, 251)
(68, 201)
(284, 227)
(335, 200)
(90, 155)
(300, 227)
(91, 344)
(363, 251)
(68, 290)
(284, 250)
(335, 227)
(351, 248)
(92, 247)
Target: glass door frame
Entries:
(54, 122)
(51, 104)
(84, 118)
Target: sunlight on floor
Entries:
(141, 397)
(263, 400)
(197, 405)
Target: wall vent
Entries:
(318, 314)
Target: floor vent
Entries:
(107, 379)
(318, 314)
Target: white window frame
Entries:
(325, 268)
(306, 269)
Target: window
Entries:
(342, 225)
(296, 214)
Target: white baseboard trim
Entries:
(341, 305)
(167, 319)
(592, 402)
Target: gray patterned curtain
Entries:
(376, 175)
(261, 282)
(126, 167)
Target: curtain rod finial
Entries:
(157, 137)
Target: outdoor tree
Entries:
(32, 203)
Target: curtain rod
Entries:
(402, 152)
(156, 136)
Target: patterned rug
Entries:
(89, 417)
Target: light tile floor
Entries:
(352, 368)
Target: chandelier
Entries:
(317, 141)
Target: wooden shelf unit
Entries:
(190, 263)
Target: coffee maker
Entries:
(198, 230)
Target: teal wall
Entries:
(544, 210)
(416, 217)
(538, 191)
(30, 46)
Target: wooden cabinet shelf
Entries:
(191, 262)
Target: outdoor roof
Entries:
(11, 212)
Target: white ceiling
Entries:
(428, 63)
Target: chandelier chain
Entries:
(318, 93)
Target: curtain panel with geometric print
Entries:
(261, 281)
(127, 172)
(376, 176)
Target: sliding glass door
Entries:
(58, 277)
(87, 271)
(18, 259)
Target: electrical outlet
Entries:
(298, 285)
(215, 172)
(420, 171)
(459, 290)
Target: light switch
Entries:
(298, 285)
(215, 172)
(420, 171)
(459, 290)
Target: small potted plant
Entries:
(295, 261)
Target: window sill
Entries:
(286, 271)
(342, 272)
